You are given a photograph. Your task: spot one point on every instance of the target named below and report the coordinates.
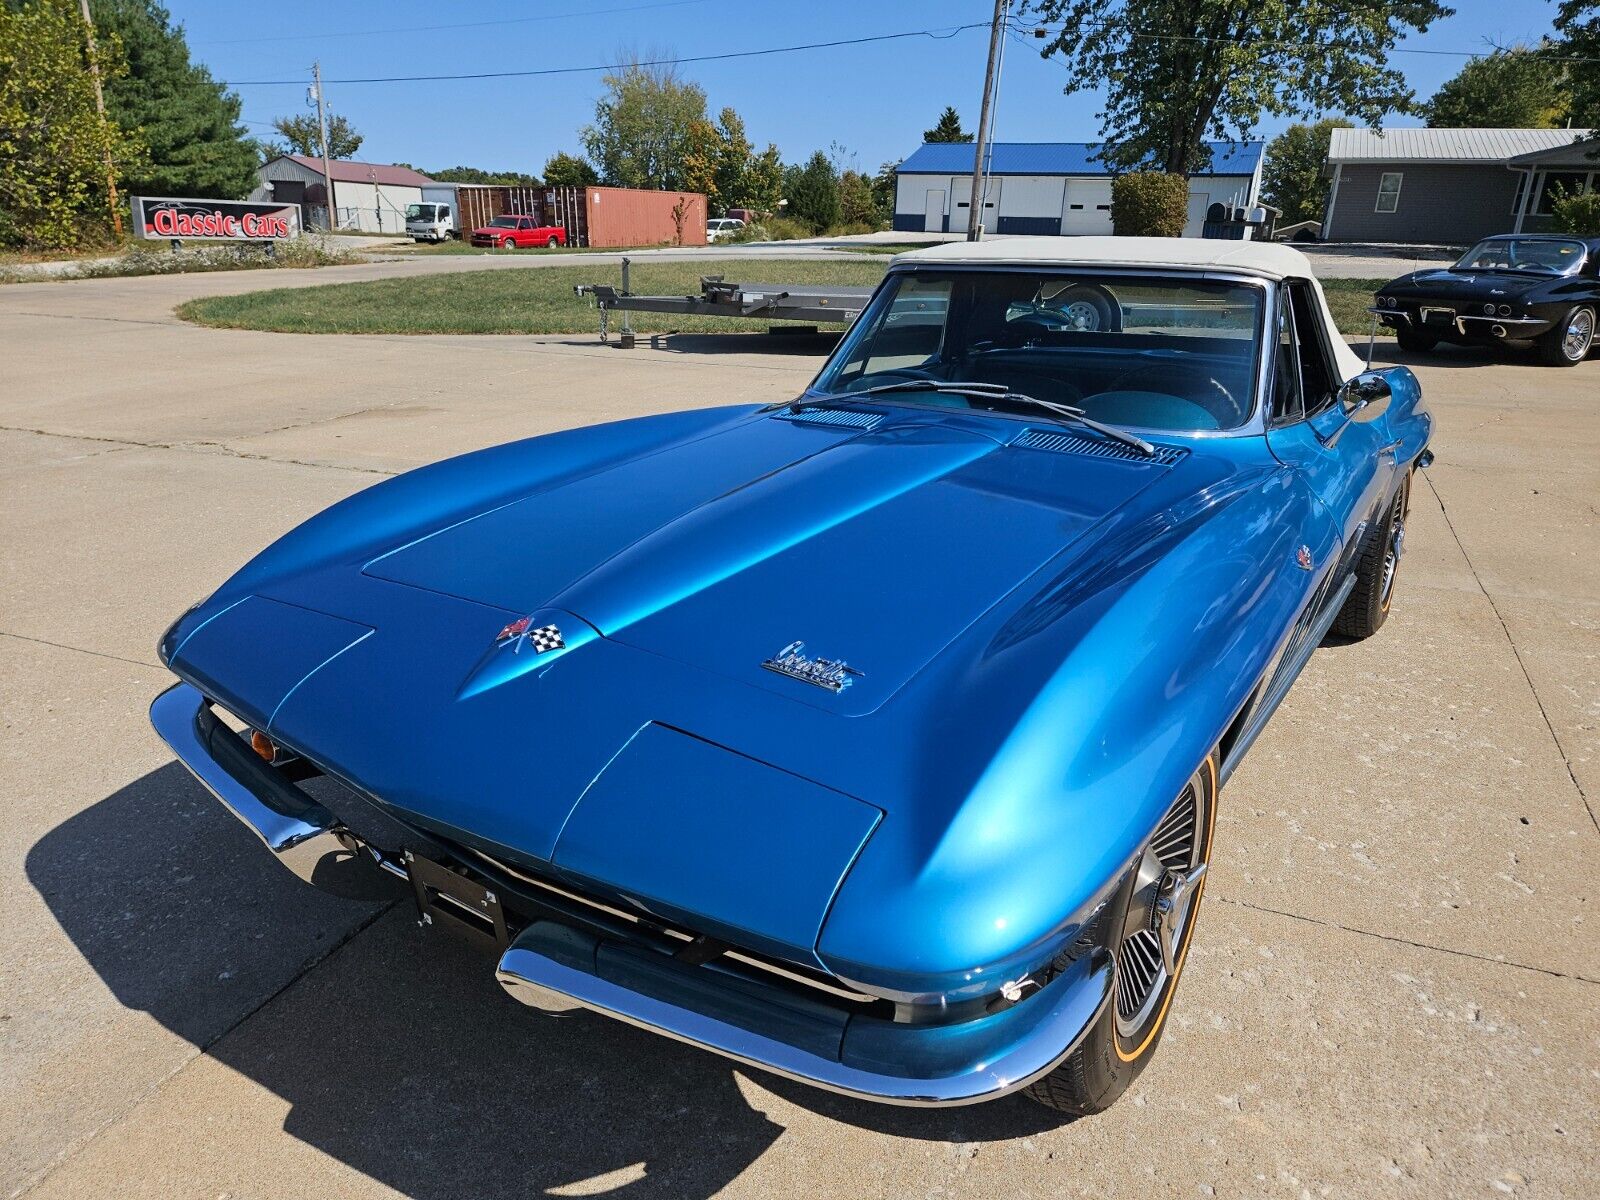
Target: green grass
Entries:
(532, 301)
(887, 247)
(1348, 300)
(541, 300)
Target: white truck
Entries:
(435, 218)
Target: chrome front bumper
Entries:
(923, 1065)
(302, 835)
(555, 965)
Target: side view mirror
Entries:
(1366, 397)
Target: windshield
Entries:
(420, 212)
(1545, 256)
(503, 223)
(1171, 354)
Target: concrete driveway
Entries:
(1393, 989)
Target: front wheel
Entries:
(1152, 937)
(1367, 607)
(509, 244)
(1569, 343)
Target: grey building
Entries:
(1448, 185)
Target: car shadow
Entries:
(397, 1052)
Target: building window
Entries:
(1389, 192)
(1557, 183)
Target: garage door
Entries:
(1086, 206)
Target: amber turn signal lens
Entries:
(262, 745)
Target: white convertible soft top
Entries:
(1267, 259)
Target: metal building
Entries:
(1051, 187)
(368, 197)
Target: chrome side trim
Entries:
(300, 836)
(539, 981)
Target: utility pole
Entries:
(322, 127)
(975, 209)
(100, 104)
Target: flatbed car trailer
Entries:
(803, 302)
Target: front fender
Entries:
(1149, 651)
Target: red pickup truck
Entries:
(512, 232)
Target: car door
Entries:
(1349, 465)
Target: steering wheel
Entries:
(1182, 384)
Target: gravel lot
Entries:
(1393, 989)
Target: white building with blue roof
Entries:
(1051, 187)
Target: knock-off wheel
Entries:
(1152, 938)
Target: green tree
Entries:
(763, 181)
(856, 203)
(568, 170)
(641, 126)
(698, 171)
(53, 144)
(475, 175)
(188, 123)
(734, 156)
(1291, 177)
(948, 128)
(813, 192)
(1175, 72)
(301, 136)
(1513, 88)
(883, 191)
(1578, 24)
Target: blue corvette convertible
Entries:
(873, 738)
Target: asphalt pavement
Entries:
(1393, 988)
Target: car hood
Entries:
(875, 551)
(952, 561)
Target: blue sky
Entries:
(873, 100)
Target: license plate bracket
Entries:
(1438, 316)
(446, 897)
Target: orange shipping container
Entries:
(631, 217)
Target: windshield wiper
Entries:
(998, 391)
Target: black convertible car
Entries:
(1519, 288)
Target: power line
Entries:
(1268, 43)
(935, 34)
(351, 33)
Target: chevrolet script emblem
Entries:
(827, 673)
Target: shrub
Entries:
(786, 229)
(1149, 204)
(1578, 213)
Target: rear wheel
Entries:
(1149, 948)
(552, 243)
(1569, 343)
(1414, 341)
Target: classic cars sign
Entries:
(165, 218)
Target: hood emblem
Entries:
(546, 637)
(832, 674)
(1302, 556)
